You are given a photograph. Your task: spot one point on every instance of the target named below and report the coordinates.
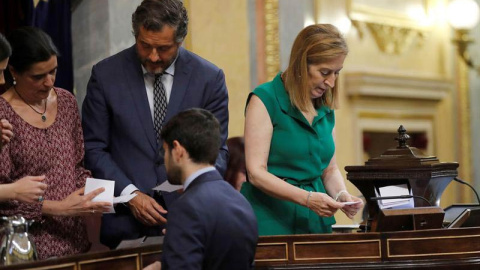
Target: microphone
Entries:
(399, 197)
(470, 186)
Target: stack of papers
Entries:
(395, 190)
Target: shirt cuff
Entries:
(129, 190)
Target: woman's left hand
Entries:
(350, 209)
(78, 203)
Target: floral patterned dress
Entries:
(56, 152)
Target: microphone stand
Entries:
(470, 186)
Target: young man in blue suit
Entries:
(119, 114)
(211, 226)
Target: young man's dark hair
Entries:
(198, 131)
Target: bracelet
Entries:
(308, 198)
(340, 193)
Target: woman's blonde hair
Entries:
(314, 44)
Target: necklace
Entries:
(44, 118)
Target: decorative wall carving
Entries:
(272, 43)
(393, 86)
(393, 31)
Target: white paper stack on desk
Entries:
(394, 190)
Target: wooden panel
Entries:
(151, 257)
(433, 246)
(67, 266)
(127, 262)
(338, 250)
(271, 252)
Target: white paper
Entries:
(124, 198)
(131, 243)
(153, 240)
(394, 190)
(350, 203)
(107, 195)
(167, 187)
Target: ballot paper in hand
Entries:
(107, 195)
(167, 187)
(394, 190)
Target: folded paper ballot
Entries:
(394, 190)
(107, 195)
(167, 187)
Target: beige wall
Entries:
(219, 33)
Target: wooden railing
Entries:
(425, 249)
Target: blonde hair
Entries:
(313, 45)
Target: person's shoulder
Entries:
(117, 59)
(197, 61)
(266, 93)
(65, 95)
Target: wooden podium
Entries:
(426, 176)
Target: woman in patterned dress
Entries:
(295, 186)
(47, 145)
(5, 127)
(27, 189)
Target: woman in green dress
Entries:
(295, 186)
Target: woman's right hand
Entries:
(323, 205)
(80, 204)
(7, 132)
(29, 189)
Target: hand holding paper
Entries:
(107, 195)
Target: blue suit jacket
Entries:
(211, 226)
(120, 140)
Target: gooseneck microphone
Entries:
(470, 186)
(400, 197)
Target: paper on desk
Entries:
(107, 195)
(167, 187)
(131, 243)
(394, 190)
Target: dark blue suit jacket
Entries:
(211, 226)
(120, 140)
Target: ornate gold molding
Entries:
(393, 32)
(393, 39)
(272, 42)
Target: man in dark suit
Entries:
(129, 97)
(211, 226)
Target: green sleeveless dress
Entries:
(299, 152)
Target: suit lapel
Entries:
(181, 80)
(136, 86)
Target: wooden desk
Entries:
(426, 249)
(123, 259)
